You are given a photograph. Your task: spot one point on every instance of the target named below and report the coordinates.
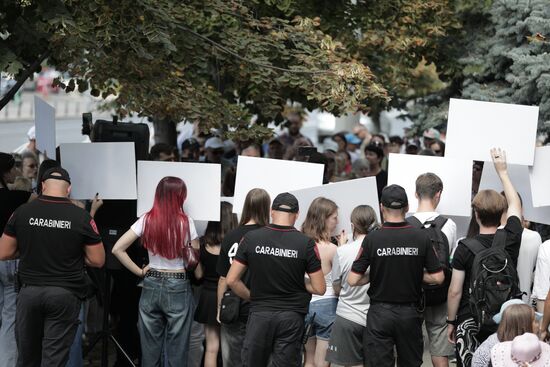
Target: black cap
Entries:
(394, 197)
(285, 202)
(376, 148)
(56, 173)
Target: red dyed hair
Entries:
(166, 224)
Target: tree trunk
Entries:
(165, 131)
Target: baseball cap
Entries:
(498, 317)
(214, 143)
(353, 139)
(31, 134)
(394, 197)
(285, 202)
(57, 173)
(431, 133)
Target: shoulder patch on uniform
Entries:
(94, 226)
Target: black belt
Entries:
(163, 274)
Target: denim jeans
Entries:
(165, 316)
(8, 297)
(75, 355)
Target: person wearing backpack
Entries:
(442, 233)
(489, 259)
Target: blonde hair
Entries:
(489, 206)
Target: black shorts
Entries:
(345, 346)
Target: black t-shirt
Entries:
(397, 255)
(9, 201)
(230, 244)
(51, 233)
(278, 257)
(463, 258)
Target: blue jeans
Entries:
(75, 355)
(165, 316)
(8, 346)
(325, 314)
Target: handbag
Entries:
(229, 308)
(190, 255)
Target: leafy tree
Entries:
(402, 41)
(214, 62)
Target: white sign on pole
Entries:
(519, 175)
(456, 174)
(475, 127)
(273, 175)
(346, 194)
(44, 124)
(540, 177)
(203, 181)
(105, 168)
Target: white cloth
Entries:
(354, 302)
(449, 228)
(329, 292)
(159, 262)
(528, 251)
(542, 272)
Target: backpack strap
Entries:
(473, 245)
(500, 239)
(439, 221)
(415, 222)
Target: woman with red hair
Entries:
(166, 303)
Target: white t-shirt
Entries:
(159, 262)
(354, 302)
(449, 228)
(528, 251)
(542, 272)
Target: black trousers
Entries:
(390, 325)
(45, 325)
(274, 336)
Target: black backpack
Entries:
(436, 294)
(493, 279)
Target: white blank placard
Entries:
(105, 168)
(44, 124)
(203, 181)
(274, 176)
(404, 169)
(519, 175)
(540, 177)
(475, 127)
(347, 195)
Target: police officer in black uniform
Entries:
(277, 257)
(54, 238)
(400, 257)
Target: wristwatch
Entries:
(452, 322)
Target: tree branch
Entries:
(30, 70)
(236, 55)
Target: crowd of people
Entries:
(257, 291)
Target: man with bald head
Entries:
(54, 239)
